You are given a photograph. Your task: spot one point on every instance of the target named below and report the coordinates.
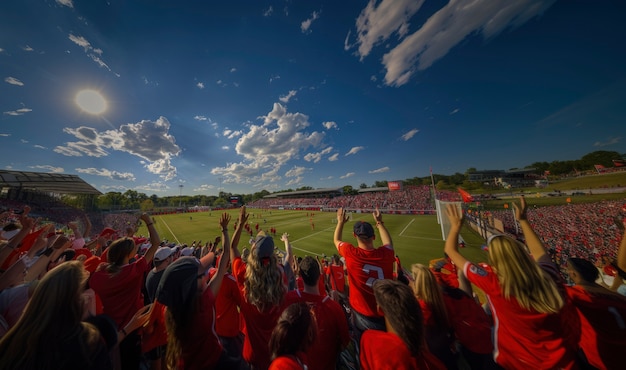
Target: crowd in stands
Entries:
(102, 297)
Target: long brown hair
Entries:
(51, 319)
(117, 252)
(402, 312)
(295, 331)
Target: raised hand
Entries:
(520, 210)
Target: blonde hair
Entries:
(54, 311)
(521, 277)
(263, 284)
(426, 288)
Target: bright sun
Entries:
(91, 101)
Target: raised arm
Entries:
(535, 246)
(288, 250)
(341, 220)
(241, 221)
(384, 234)
(216, 281)
(455, 216)
(155, 241)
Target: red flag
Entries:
(467, 197)
(619, 162)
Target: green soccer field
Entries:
(416, 238)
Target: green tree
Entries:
(363, 186)
(146, 205)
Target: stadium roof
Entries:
(46, 182)
(305, 193)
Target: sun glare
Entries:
(91, 101)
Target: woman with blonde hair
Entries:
(437, 325)
(263, 291)
(534, 328)
(50, 333)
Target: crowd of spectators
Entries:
(122, 301)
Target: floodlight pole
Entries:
(180, 198)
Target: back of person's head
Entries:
(401, 311)
(520, 276)
(295, 331)
(263, 284)
(55, 310)
(584, 269)
(118, 251)
(364, 231)
(427, 289)
(336, 259)
(309, 271)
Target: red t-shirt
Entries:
(337, 278)
(227, 303)
(202, 348)
(332, 329)
(121, 293)
(603, 327)
(472, 326)
(525, 339)
(364, 267)
(381, 350)
(289, 362)
(259, 325)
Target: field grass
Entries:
(416, 238)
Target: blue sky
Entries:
(244, 96)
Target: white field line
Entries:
(406, 227)
(308, 236)
(168, 227)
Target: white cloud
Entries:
(306, 25)
(13, 81)
(204, 187)
(268, 12)
(5, 135)
(200, 85)
(18, 112)
(225, 147)
(333, 157)
(610, 141)
(295, 181)
(445, 29)
(50, 169)
(454, 111)
(316, 157)
(355, 150)
(39, 146)
(380, 170)
(286, 98)
(149, 140)
(410, 134)
(113, 175)
(27, 48)
(93, 53)
(202, 118)
(276, 77)
(156, 186)
(67, 3)
(296, 171)
(232, 70)
(330, 124)
(266, 147)
(349, 174)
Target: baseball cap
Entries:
(263, 246)
(179, 282)
(363, 229)
(187, 251)
(163, 253)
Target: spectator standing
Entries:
(365, 265)
(119, 284)
(402, 345)
(534, 327)
(294, 332)
(332, 325)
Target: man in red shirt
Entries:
(337, 279)
(365, 264)
(332, 325)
